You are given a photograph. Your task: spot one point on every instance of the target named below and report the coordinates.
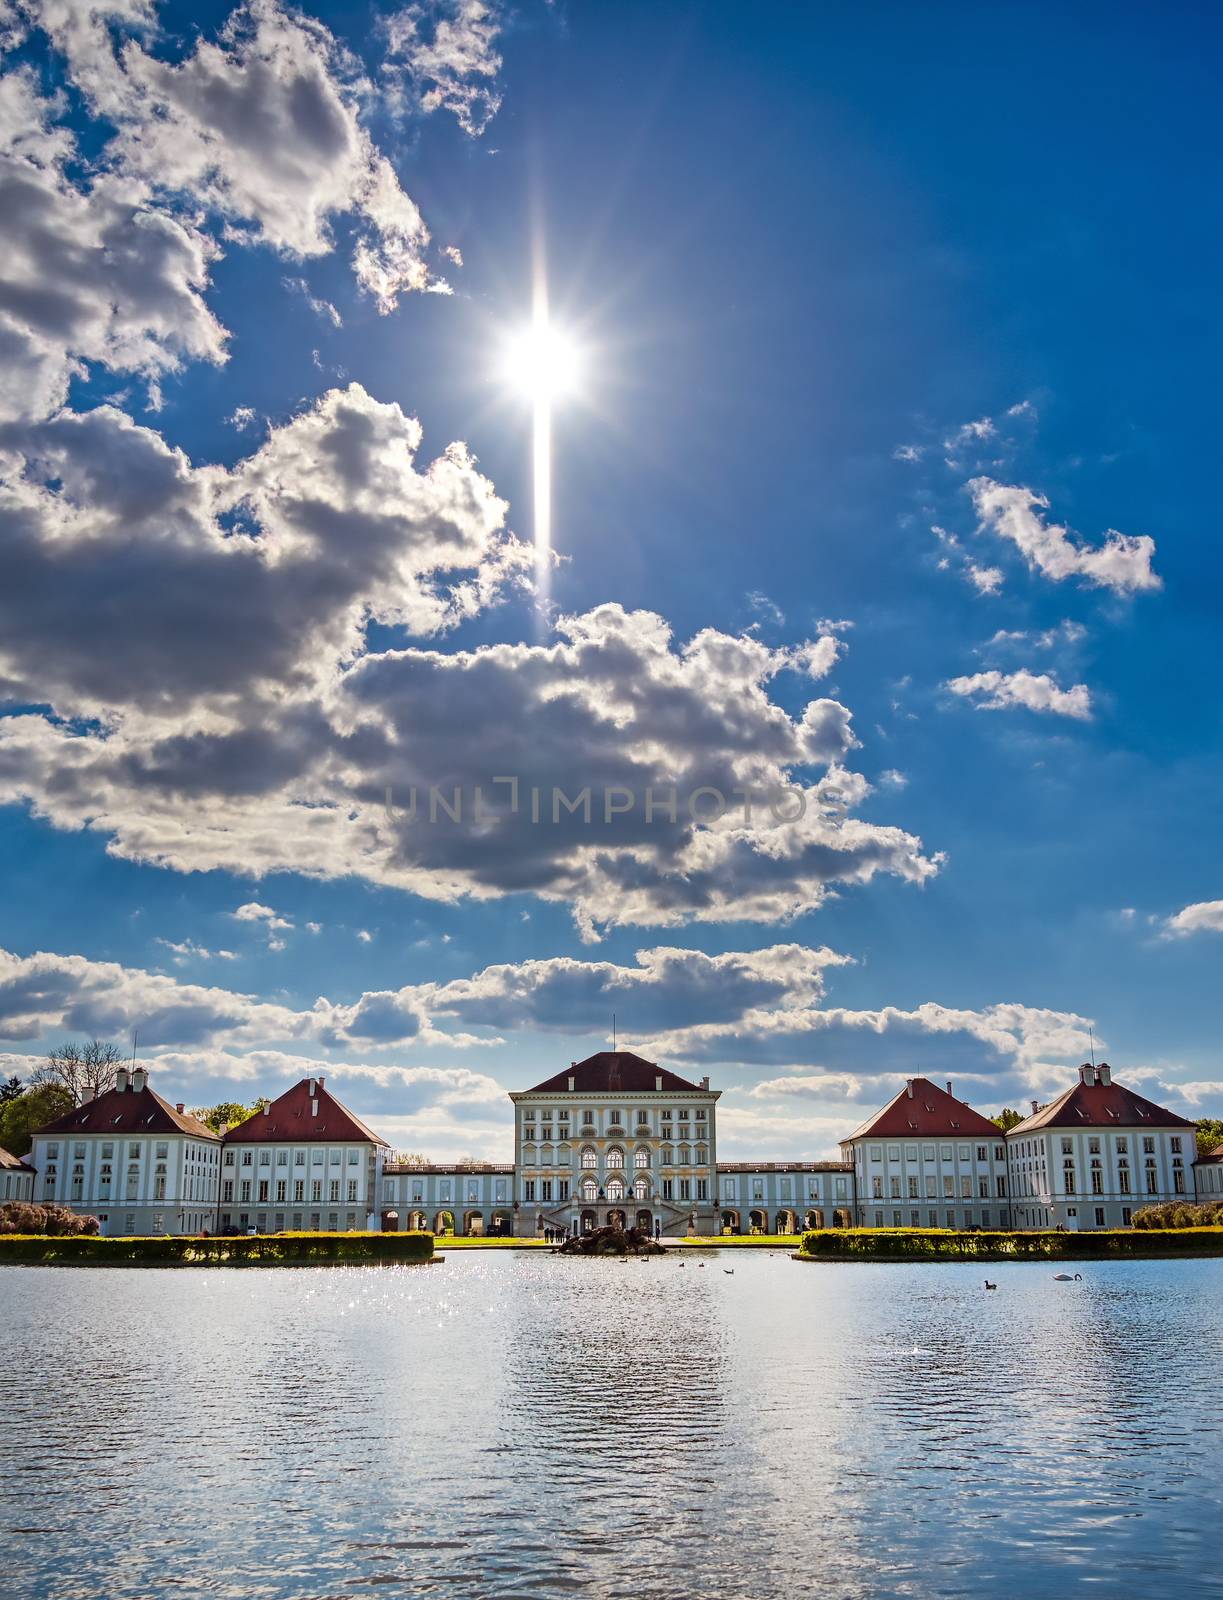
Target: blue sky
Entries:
(888, 480)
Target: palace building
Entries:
(614, 1139)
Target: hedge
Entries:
(262, 1250)
(927, 1244)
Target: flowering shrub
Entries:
(19, 1216)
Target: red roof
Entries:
(923, 1110)
(291, 1120)
(616, 1072)
(129, 1111)
(433, 1169)
(1100, 1105)
(1211, 1156)
(11, 1163)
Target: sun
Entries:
(542, 363)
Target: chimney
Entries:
(267, 1110)
(1104, 1073)
(658, 1083)
(180, 1108)
(1035, 1107)
(572, 1081)
(121, 1080)
(1087, 1073)
(88, 1092)
(321, 1080)
(909, 1087)
(311, 1086)
(705, 1081)
(139, 1078)
(949, 1087)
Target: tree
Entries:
(228, 1113)
(1006, 1119)
(412, 1159)
(22, 1116)
(1210, 1134)
(10, 1089)
(85, 1070)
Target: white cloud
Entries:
(219, 588)
(971, 433)
(908, 452)
(91, 272)
(1063, 633)
(187, 950)
(1000, 691)
(1204, 916)
(446, 53)
(1122, 563)
(985, 580)
(296, 778)
(365, 936)
(262, 127)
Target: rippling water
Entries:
(506, 1424)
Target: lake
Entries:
(528, 1425)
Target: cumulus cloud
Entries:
(92, 272)
(262, 127)
(1000, 691)
(1204, 916)
(445, 54)
(215, 588)
(613, 717)
(1121, 564)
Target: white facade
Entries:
(784, 1196)
(1208, 1176)
(128, 1158)
(1098, 1173)
(476, 1198)
(280, 1187)
(645, 1156)
(16, 1178)
(940, 1181)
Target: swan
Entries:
(1064, 1277)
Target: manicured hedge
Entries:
(928, 1244)
(264, 1250)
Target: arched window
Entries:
(615, 1157)
(590, 1157)
(589, 1189)
(685, 1156)
(702, 1155)
(641, 1189)
(641, 1157)
(615, 1189)
(563, 1155)
(665, 1155)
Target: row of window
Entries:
(319, 1157)
(263, 1194)
(951, 1219)
(945, 1152)
(949, 1189)
(614, 1159)
(615, 1114)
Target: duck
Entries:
(729, 1271)
(990, 1285)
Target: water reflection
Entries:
(526, 1425)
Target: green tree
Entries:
(228, 1113)
(23, 1115)
(1007, 1118)
(1210, 1134)
(10, 1089)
